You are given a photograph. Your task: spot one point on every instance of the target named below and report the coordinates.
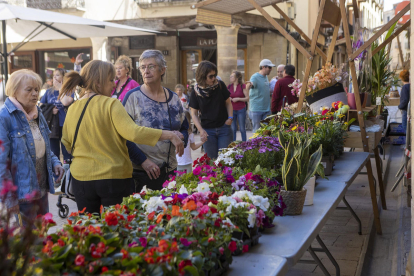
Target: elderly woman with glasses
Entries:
(211, 97)
(152, 105)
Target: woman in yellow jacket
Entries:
(101, 168)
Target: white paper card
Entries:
(378, 101)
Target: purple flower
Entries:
(185, 242)
(133, 244)
(229, 178)
(262, 150)
(238, 156)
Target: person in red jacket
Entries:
(282, 93)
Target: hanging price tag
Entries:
(378, 101)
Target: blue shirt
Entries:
(272, 84)
(259, 95)
(52, 97)
(18, 147)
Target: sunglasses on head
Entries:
(211, 76)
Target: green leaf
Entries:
(63, 252)
(192, 270)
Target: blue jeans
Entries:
(404, 120)
(256, 117)
(218, 138)
(29, 210)
(239, 116)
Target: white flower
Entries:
(338, 79)
(168, 199)
(144, 189)
(153, 204)
(137, 196)
(227, 200)
(261, 202)
(243, 195)
(172, 184)
(251, 219)
(203, 187)
(183, 190)
(228, 224)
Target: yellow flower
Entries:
(255, 135)
(317, 123)
(341, 116)
(345, 123)
(315, 113)
(294, 128)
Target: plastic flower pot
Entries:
(326, 96)
(352, 102)
(327, 163)
(310, 188)
(294, 201)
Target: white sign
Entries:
(378, 101)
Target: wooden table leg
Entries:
(373, 198)
(379, 175)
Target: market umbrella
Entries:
(21, 25)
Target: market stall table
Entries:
(254, 264)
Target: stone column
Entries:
(226, 50)
(100, 48)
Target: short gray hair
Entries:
(157, 55)
(280, 65)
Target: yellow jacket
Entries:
(100, 150)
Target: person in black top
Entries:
(405, 97)
(212, 98)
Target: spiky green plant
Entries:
(299, 165)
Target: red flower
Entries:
(218, 222)
(124, 254)
(130, 217)
(245, 248)
(211, 239)
(80, 260)
(96, 254)
(104, 269)
(324, 111)
(162, 246)
(61, 243)
(233, 246)
(182, 265)
(151, 216)
(111, 219)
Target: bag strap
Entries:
(79, 122)
(169, 117)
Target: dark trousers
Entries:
(31, 209)
(55, 145)
(105, 192)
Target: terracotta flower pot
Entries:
(352, 102)
(294, 201)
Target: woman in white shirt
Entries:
(185, 162)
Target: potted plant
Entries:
(298, 167)
(325, 86)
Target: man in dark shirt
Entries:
(283, 93)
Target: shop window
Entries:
(22, 60)
(241, 61)
(61, 58)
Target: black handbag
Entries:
(142, 179)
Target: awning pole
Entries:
(5, 63)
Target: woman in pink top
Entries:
(124, 82)
(239, 95)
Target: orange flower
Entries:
(176, 211)
(190, 206)
(83, 211)
(101, 209)
(159, 218)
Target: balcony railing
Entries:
(151, 3)
(49, 4)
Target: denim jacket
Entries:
(18, 145)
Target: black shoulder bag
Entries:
(66, 186)
(142, 179)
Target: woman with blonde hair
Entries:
(101, 168)
(25, 144)
(124, 82)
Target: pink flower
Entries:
(221, 249)
(7, 187)
(233, 246)
(48, 219)
(245, 248)
(143, 241)
(197, 170)
(80, 260)
(204, 210)
(185, 242)
(249, 176)
(150, 228)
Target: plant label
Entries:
(378, 101)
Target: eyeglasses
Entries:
(211, 76)
(151, 68)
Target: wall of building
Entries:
(371, 13)
(265, 45)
